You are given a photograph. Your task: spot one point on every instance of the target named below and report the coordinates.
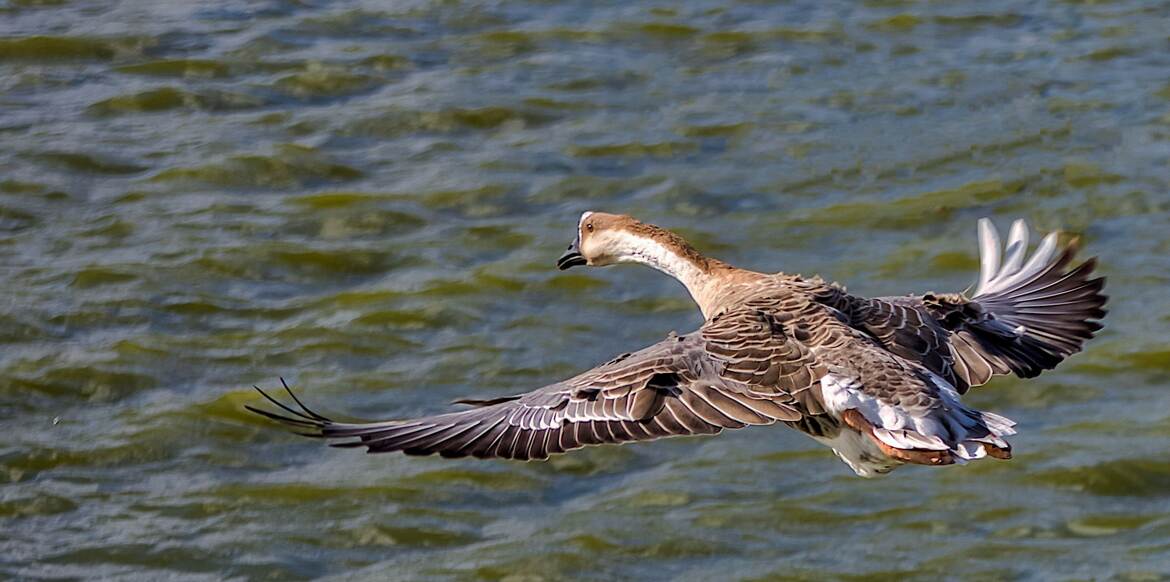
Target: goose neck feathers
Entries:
(609, 238)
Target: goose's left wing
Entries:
(738, 370)
(1027, 314)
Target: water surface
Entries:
(368, 198)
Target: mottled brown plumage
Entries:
(878, 380)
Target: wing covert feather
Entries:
(740, 369)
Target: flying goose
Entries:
(877, 380)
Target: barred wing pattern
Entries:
(1026, 315)
(739, 369)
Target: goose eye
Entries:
(589, 227)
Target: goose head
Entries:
(606, 239)
(602, 239)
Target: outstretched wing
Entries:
(738, 370)
(1026, 315)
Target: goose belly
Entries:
(859, 452)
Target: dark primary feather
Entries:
(967, 341)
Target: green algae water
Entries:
(368, 199)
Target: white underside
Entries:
(860, 453)
(954, 427)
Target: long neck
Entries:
(680, 261)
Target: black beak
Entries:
(572, 257)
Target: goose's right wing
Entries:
(736, 371)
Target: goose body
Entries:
(878, 380)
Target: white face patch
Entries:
(584, 216)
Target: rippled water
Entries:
(368, 199)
